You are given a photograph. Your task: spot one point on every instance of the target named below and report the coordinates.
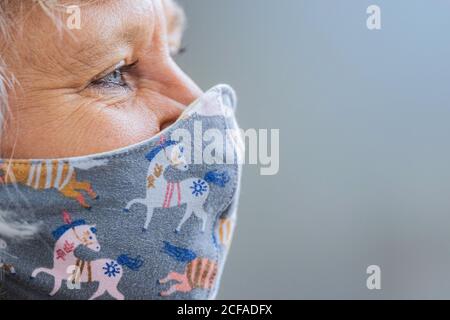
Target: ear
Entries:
(176, 23)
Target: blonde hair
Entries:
(10, 226)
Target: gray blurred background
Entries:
(365, 149)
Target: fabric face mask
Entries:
(148, 221)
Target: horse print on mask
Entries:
(164, 194)
(51, 174)
(199, 273)
(66, 266)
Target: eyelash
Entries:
(181, 51)
(114, 79)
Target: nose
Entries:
(180, 89)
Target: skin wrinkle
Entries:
(83, 60)
(52, 114)
(76, 66)
(59, 107)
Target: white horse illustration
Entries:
(66, 266)
(163, 194)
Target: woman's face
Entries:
(108, 85)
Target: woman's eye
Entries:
(111, 80)
(115, 79)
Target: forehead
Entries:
(117, 18)
(108, 24)
(109, 18)
(109, 29)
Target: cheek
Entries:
(76, 126)
(107, 127)
(119, 126)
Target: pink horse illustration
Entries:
(66, 266)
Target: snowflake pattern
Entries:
(111, 269)
(199, 187)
